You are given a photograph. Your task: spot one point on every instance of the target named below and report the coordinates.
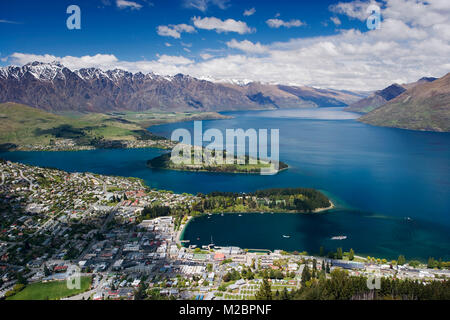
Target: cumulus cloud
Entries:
(174, 30)
(276, 23)
(249, 12)
(413, 42)
(247, 46)
(124, 4)
(355, 9)
(228, 25)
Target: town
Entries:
(54, 222)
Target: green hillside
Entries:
(426, 106)
(23, 125)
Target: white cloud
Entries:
(276, 23)
(203, 5)
(336, 21)
(174, 30)
(249, 12)
(354, 9)
(229, 25)
(247, 46)
(407, 47)
(167, 44)
(206, 56)
(8, 21)
(176, 60)
(124, 4)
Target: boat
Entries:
(240, 215)
(285, 236)
(339, 238)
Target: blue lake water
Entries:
(377, 176)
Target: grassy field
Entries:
(23, 125)
(53, 290)
(149, 118)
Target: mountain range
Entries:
(381, 97)
(424, 106)
(55, 88)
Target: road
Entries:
(26, 179)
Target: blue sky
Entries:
(132, 34)
(214, 39)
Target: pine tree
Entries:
(431, 263)
(401, 260)
(306, 274)
(339, 253)
(351, 255)
(265, 291)
(321, 252)
(285, 295)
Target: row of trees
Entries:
(292, 199)
(341, 286)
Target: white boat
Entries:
(285, 236)
(240, 215)
(339, 238)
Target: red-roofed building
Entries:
(219, 256)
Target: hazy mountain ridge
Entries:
(381, 97)
(425, 106)
(53, 87)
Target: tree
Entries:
(431, 263)
(306, 274)
(47, 271)
(339, 253)
(141, 292)
(285, 294)
(21, 279)
(401, 260)
(321, 251)
(351, 255)
(265, 291)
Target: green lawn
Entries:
(53, 290)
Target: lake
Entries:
(391, 186)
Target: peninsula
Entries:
(164, 161)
